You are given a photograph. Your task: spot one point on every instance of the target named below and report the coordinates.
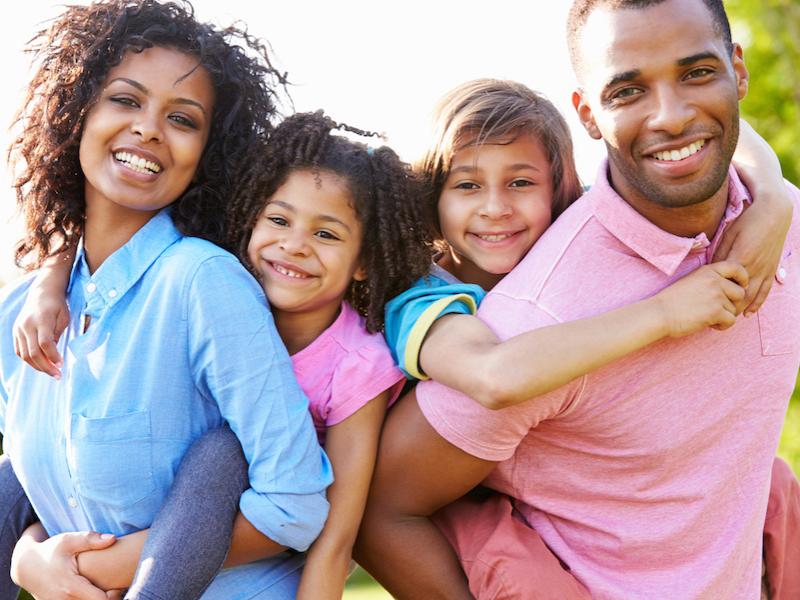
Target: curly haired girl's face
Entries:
(143, 138)
(305, 244)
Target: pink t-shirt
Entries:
(343, 369)
(649, 477)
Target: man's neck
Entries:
(684, 221)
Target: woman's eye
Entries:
(124, 100)
(280, 221)
(183, 120)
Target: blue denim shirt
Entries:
(179, 341)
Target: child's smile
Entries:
(494, 205)
(306, 242)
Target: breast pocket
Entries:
(779, 317)
(111, 459)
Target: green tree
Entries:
(769, 31)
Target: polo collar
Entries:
(660, 248)
(120, 271)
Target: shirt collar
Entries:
(660, 248)
(120, 271)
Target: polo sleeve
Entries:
(410, 316)
(495, 434)
(239, 362)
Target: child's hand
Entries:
(711, 296)
(756, 239)
(37, 329)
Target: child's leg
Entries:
(501, 555)
(782, 534)
(16, 514)
(190, 536)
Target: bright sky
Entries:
(376, 65)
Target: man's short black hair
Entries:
(581, 9)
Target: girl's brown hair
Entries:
(486, 110)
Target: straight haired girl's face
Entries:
(143, 138)
(495, 203)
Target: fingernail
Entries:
(106, 536)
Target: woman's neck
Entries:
(299, 329)
(106, 231)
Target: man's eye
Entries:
(626, 93)
(699, 73)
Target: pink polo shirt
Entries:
(649, 477)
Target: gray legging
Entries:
(190, 536)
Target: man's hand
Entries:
(48, 569)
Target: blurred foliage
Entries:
(769, 31)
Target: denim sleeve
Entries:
(240, 363)
(410, 315)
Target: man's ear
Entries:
(740, 71)
(585, 113)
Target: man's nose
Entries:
(672, 111)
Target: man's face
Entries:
(660, 88)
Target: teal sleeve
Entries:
(410, 315)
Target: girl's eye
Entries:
(521, 183)
(183, 120)
(279, 221)
(466, 185)
(327, 235)
(125, 101)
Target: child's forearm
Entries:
(498, 375)
(461, 351)
(249, 544)
(114, 567)
(325, 571)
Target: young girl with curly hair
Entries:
(133, 125)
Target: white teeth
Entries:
(494, 238)
(137, 163)
(686, 151)
(288, 272)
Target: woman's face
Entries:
(495, 203)
(143, 138)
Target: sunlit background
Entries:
(377, 65)
(382, 65)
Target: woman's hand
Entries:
(48, 568)
(756, 239)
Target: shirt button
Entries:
(781, 274)
(91, 287)
(72, 502)
(112, 293)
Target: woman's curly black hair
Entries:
(395, 247)
(73, 57)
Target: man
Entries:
(649, 478)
